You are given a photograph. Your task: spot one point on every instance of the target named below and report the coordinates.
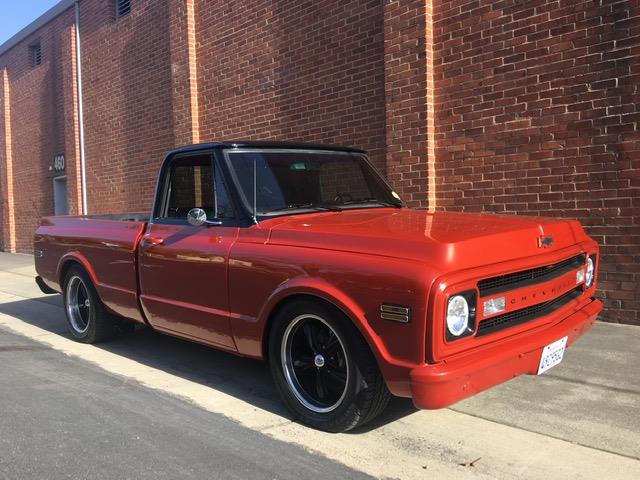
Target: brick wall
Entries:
(537, 111)
(292, 70)
(297, 71)
(406, 112)
(38, 130)
(127, 88)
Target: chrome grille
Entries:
(523, 315)
(511, 281)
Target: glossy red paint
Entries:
(183, 281)
(105, 248)
(220, 284)
(357, 283)
(446, 240)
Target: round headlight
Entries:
(590, 270)
(457, 315)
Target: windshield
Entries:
(282, 181)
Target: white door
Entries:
(60, 206)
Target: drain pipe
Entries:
(83, 170)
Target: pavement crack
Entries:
(273, 427)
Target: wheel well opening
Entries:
(293, 298)
(66, 266)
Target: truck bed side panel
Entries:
(106, 248)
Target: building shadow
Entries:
(246, 379)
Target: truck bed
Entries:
(104, 244)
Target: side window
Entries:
(222, 206)
(191, 185)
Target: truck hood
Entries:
(444, 240)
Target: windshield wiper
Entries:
(306, 206)
(371, 200)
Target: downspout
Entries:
(83, 170)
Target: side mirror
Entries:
(196, 217)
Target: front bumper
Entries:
(442, 384)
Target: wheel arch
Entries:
(74, 259)
(330, 296)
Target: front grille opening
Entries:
(511, 281)
(524, 315)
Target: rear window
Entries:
(192, 183)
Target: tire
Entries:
(87, 318)
(323, 368)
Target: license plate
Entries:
(552, 355)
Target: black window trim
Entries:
(162, 190)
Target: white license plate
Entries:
(552, 355)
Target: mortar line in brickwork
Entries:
(9, 160)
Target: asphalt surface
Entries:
(67, 419)
(150, 405)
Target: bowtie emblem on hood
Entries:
(545, 241)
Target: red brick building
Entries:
(511, 106)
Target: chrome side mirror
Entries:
(196, 217)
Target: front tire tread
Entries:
(364, 401)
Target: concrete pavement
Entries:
(580, 420)
(67, 419)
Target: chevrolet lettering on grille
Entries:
(542, 294)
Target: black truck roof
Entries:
(263, 144)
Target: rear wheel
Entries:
(323, 368)
(87, 317)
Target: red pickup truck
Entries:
(302, 255)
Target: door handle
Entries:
(152, 241)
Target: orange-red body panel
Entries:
(219, 285)
(106, 249)
(183, 281)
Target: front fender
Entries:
(317, 287)
(393, 370)
(261, 277)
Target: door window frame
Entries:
(162, 190)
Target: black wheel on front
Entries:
(88, 319)
(323, 368)
(314, 362)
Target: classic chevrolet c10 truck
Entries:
(303, 256)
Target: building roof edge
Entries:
(42, 20)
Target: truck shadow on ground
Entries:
(243, 378)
